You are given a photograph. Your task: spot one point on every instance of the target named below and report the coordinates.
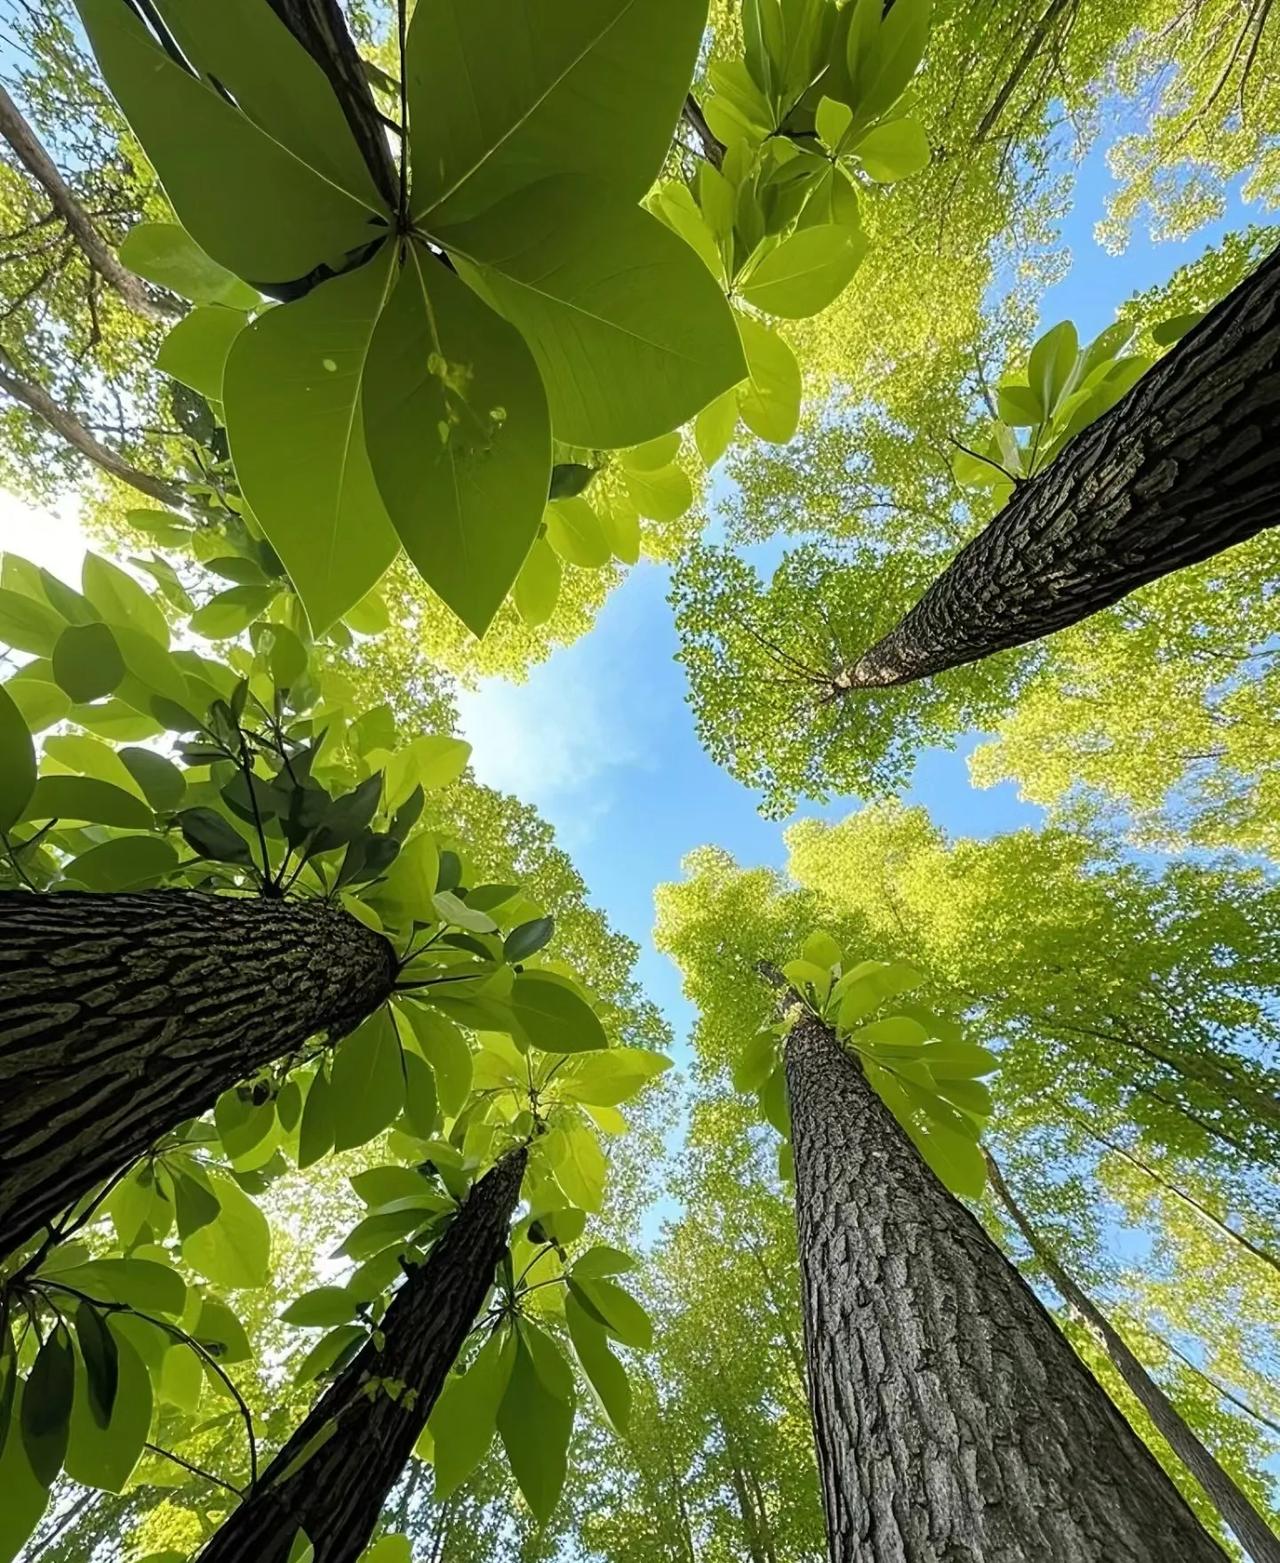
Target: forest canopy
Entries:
(898, 1185)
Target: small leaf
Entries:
(325, 1306)
(209, 836)
(87, 662)
(101, 1359)
(46, 1404)
(166, 255)
(554, 1017)
(528, 938)
(17, 763)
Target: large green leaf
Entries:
(17, 762)
(367, 1082)
(167, 255)
(446, 1050)
(500, 96)
(465, 1417)
(770, 400)
(806, 272)
(629, 329)
(577, 534)
(292, 398)
(124, 863)
(46, 1404)
(246, 47)
(553, 1016)
(605, 1079)
(537, 587)
(235, 1249)
(84, 800)
(23, 1496)
(195, 351)
(87, 662)
(246, 199)
(604, 1372)
(459, 436)
(535, 1418)
(27, 624)
(105, 1456)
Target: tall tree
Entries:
(932, 1367)
(1258, 1539)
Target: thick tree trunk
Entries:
(1184, 466)
(123, 1015)
(1254, 1534)
(31, 154)
(337, 1495)
(952, 1420)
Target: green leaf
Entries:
(882, 60)
(84, 800)
(616, 1075)
(367, 1081)
(431, 761)
(774, 1101)
(316, 1135)
(228, 613)
(621, 522)
(577, 534)
(421, 1106)
(465, 1417)
(41, 703)
(325, 1306)
(756, 1062)
(28, 625)
(101, 1360)
(770, 400)
(167, 255)
(528, 938)
(446, 1050)
(120, 600)
(630, 331)
(893, 150)
(87, 662)
(221, 1333)
(1019, 406)
(24, 1496)
(581, 1170)
(1052, 359)
(652, 454)
(209, 835)
(162, 783)
(959, 1060)
(714, 426)
(586, 87)
(327, 1351)
(535, 1418)
(604, 1372)
(17, 763)
(955, 1159)
(125, 863)
(459, 437)
(245, 46)
(1166, 332)
(806, 272)
(623, 1316)
(292, 399)
(537, 587)
(244, 198)
(831, 119)
(602, 1260)
(141, 1283)
(864, 987)
(195, 351)
(554, 1017)
(388, 1549)
(46, 1404)
(663, 495)
(235, 1250)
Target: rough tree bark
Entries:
(123, 1015)
(1254, 1534)
(337, 1495)
(30, 152)
(38, 400)
(319, 26)
(1184, 466)
(952, 1419)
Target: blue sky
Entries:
(600, 738)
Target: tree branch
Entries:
(321, 29)
(712, 148)
(38, 400)
(31, 154)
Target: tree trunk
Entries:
(952, 1420)
(337, 1495)
(1184, 466)
(1253, 1533)
(321, 29)
(13, 383)
(123, 1015)
(31, 154)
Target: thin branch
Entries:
(33, 157)
(195, 1470)
(713, 149)
(38, 400)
